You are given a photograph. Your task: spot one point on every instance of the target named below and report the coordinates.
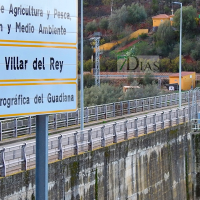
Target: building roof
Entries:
(161, 16)
(182, 74)
(131, 87)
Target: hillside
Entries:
(128, 17)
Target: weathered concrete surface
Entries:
(196, 164)
(156, 166)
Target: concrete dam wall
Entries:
(156, 166)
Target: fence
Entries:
(15, 127)
(22, 157)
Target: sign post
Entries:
(41, 157)
(38, 62)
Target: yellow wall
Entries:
(186, 81)
(157, 21)
(109, 46)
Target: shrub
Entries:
(88, 65)
(108, 64)
(87, 52)
(88, 81)
(91, 26)
(143, 36)
(136, 13)
(142, 92)
(103, 24)
(102, 95)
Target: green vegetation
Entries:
(123, 17)
(108, 93)
(91, 26)
(74, 169)
(101, 95)
(189, 23)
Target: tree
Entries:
(118, 19)
(142, 92)
(88, 51)
(112, 3)
(91, 26)
(165, 65)
(187, 47)
(148, 78)
(103, 24)
(165, 38)
(136, 13)
(165, 33)
(188, 22)
(102, 95)
(88, 65)
(108, 64)
(155, 6)
(195, 53)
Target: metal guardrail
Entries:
(22, 157)
(135, 76)
(15, 127)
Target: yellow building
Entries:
(187, 80)
(158, 19)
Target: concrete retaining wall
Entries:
(156, 166)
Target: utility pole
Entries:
(97, 59)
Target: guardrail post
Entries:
(148, 103)
(96, 113)
(105, 111)
(114, 133)
(170, 118)
(15, 125)
(198, 94)
(76, 149)
(103, 141)
(160, 99)
(189, 108)
(170, 99)
(77, 117)
(145, 124)
(66, 119)
(60, 150)
(184, 114)
(162, 121)
(113, 109)
(136, 105)
(128, 106)
(1, 134)
(196, 110)
(121, 108)
(165, 100)
(125, 130)
(55, 121)
(176, 99)
(177, 116)
(24, 165)
(4, 163)
(154, 122)
(87, 115)
(143, 106)
(135, 127)
(155, 103)
(183, 95)
(90, 143)
(29, 125)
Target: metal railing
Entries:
(22, 157)
(15, 127)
